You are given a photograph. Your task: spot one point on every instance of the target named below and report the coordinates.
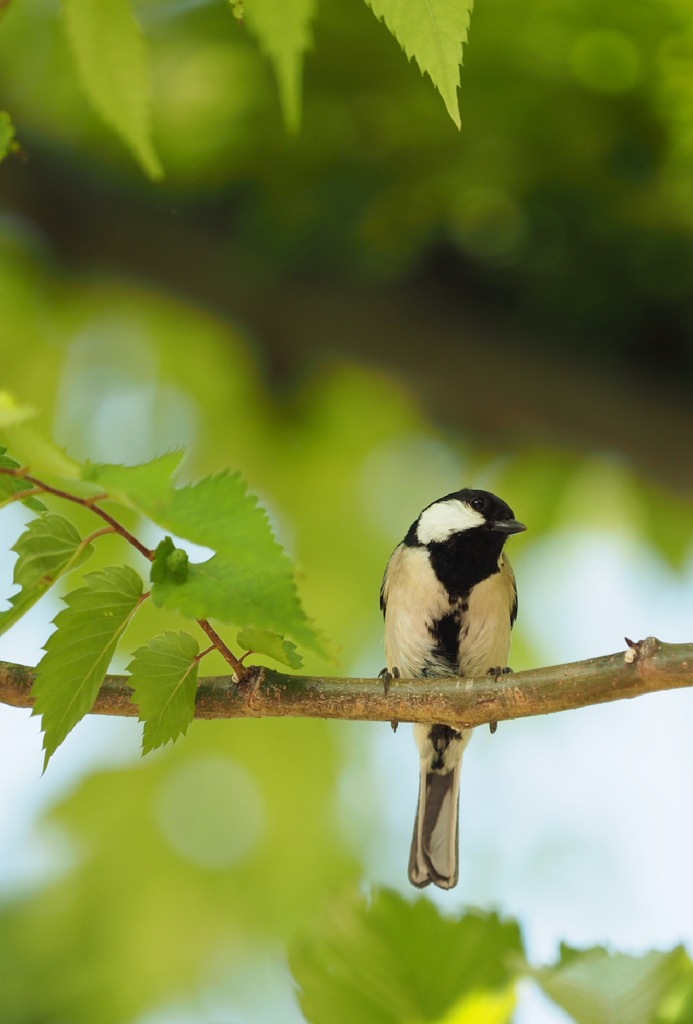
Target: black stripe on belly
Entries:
(445, 633)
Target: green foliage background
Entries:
(207, 310)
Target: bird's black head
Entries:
(464, 533)
(468, 511)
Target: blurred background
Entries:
(360, 317)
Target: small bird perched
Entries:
(449, 601)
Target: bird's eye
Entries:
(478, 503)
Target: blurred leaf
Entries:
(11, 411)
(668, 521)
(210, 851)
(48, 548)
(10, 485)
(110, 53)
(483, 1008)
(598, 987)
(238, 9)
(282, 29)
(677, 1005)
(164, 677)
(7, 145)
(79, 652)
(261, 641)
(389, 961)
(432, 32)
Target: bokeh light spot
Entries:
(605, 61)
(211, 811)
(407, 473)
(490, 225)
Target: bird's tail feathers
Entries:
(434, 848)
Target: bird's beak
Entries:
(508, 526)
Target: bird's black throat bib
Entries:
(466, 559)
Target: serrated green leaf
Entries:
(387, 961)
(249, 582)
(147, 482)
(79, 652)
(7, 142)
(164, 677)
(282, 28)
(11, 485)
(262, 641)
(238, 591)
(49, 547)
(433, 33)
(111, 58)
(598, 987)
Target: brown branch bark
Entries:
(649, 666)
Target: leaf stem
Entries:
(238, 667)
(29, 492)
(97, 533)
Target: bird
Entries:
(449, 602)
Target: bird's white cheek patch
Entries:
(441, 520)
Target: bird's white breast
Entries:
(486, 642)
(416, 599)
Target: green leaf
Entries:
(49, 547)
(164, 678)
(241, 591)
(433, 32)
(147, 482)
(262, 641)
(111, 58)
(11, 485)
(7, 142)
(249, 582)
(79, 652)
(282, 29)
(598, 987)
(389, 961)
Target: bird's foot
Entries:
(387, 676)
(497, 671)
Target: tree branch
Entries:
(645, 668)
